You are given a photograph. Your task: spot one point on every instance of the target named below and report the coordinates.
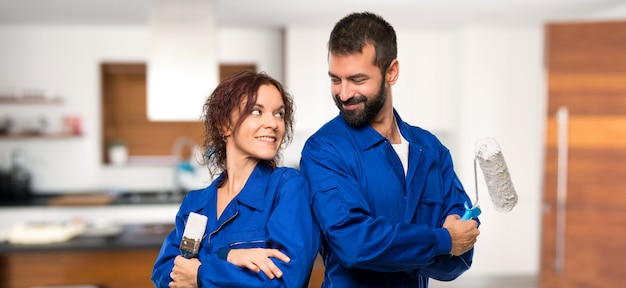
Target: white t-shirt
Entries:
(402, 150)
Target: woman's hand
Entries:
(258, 259)
(185, 273)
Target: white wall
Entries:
(501, 94)
(66, 61)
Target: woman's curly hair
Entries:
(240, 87)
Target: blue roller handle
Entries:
(471, 212)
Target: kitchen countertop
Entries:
(130, 198)
(145, 220)
(138, 236)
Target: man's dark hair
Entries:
(356, 30)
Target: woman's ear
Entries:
(226, 131)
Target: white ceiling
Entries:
(280, 13)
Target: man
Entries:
(384, 193)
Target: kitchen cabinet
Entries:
(125, 260)
(102, 268)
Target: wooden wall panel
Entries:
(586, 46)
(124, 113)
(125, 117)
(586, 65)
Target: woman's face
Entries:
(260, 134)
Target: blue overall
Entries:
(271, 211)
(380, 228)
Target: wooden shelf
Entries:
(26, 136)
(29, 100)
(35, 99)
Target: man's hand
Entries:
(463, 233)
(185, 273)
(258, 259)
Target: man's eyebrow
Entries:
(358, 75)
(351, 77)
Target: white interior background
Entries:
(462, 84)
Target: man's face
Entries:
(357, 86)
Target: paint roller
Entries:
(503, 196)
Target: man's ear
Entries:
(392, 72)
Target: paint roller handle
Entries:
(471, 212)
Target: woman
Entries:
(260, 232)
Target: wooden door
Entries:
(584, 216)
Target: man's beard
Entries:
(358, 118)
